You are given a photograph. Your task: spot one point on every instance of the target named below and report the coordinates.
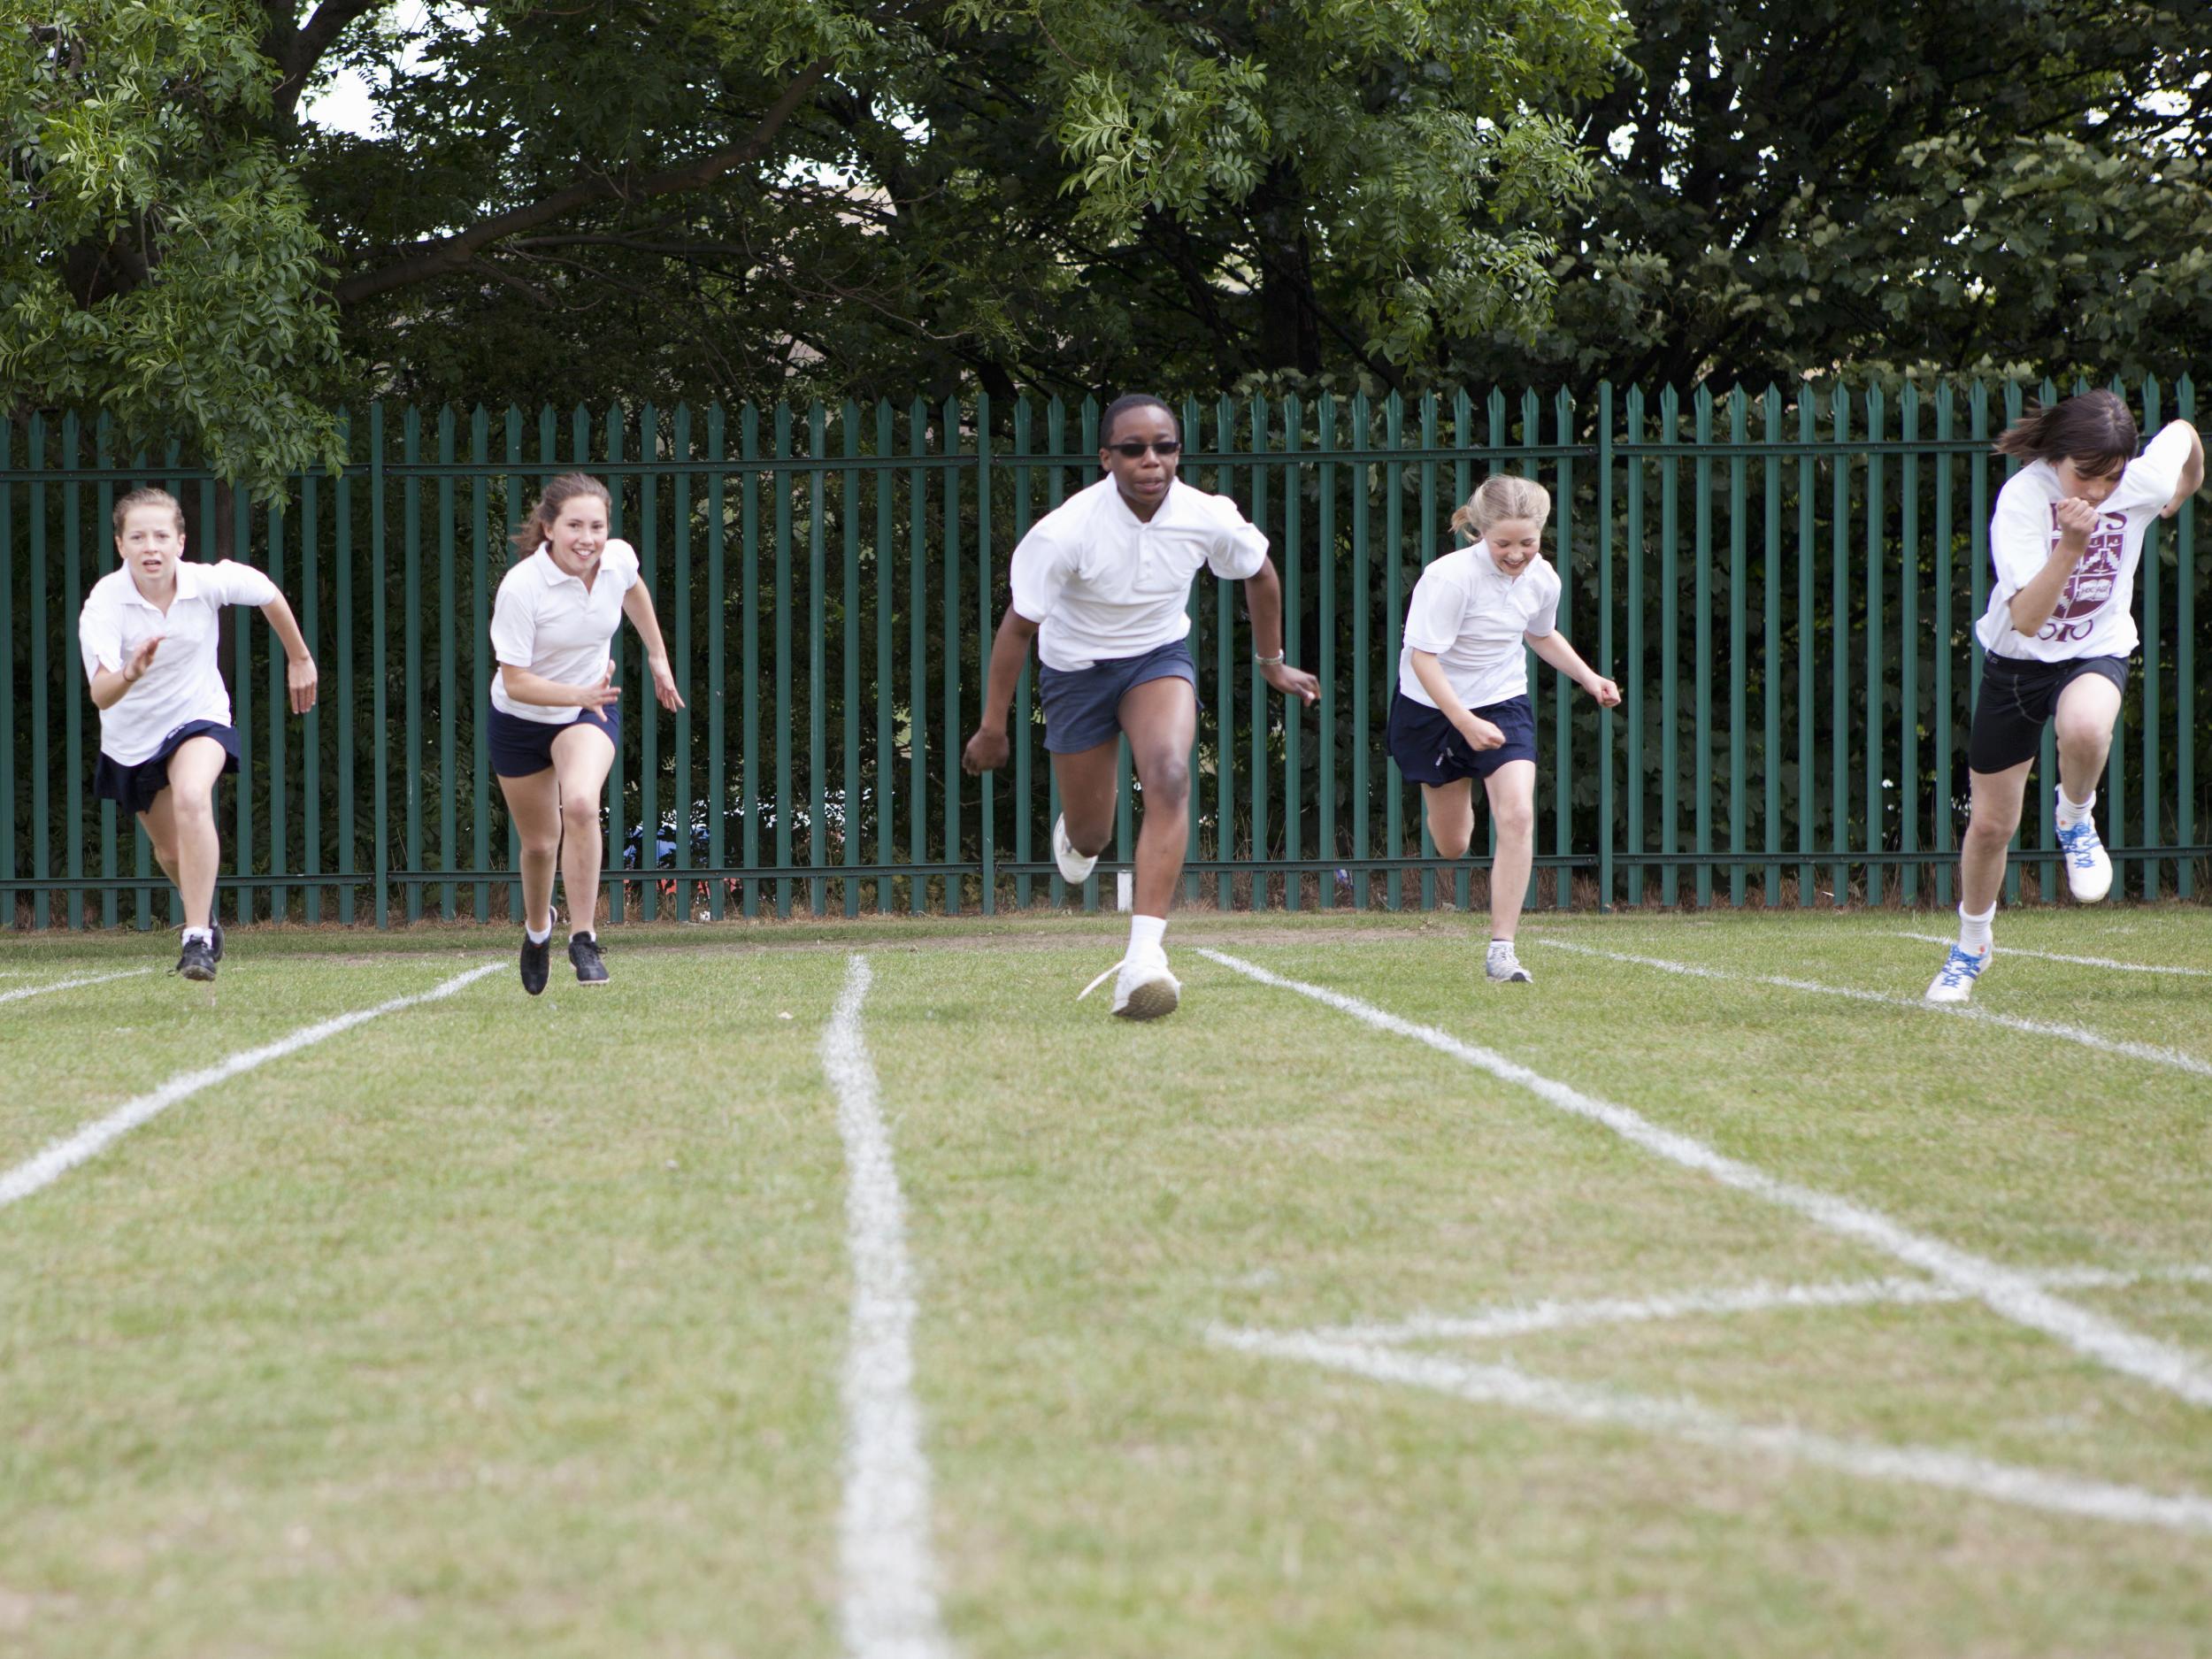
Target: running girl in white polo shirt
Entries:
(2064, 540)
(1462, 709)
(554, 718)
(149, 634)
(1102, 583)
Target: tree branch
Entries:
(298, 49)
(449, 254)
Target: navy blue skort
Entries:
(522, 749)
(1429, 748)
(134, 787)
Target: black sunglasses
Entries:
(1165, 446)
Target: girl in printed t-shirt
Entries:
(554, 722)
(1102, 583)
(149, 634)
(1462, 709)
(2064, 539)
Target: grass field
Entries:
(1640, 1311)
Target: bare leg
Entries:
(188, 803)
(1161, 717)
(582, 757)
(1512, 791)
(1993, 815)
(2088, 708)
(1088, 786)
(1451, 811)
(535, 804)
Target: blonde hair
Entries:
(1501, 496)
(539, 526)
(148, 497)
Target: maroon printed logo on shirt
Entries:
(2098, 572)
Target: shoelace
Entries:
(1102, 980)
(2082, 848)
(1959, 967)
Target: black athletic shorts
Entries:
(2017, 701)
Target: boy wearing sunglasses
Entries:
(1102, 584)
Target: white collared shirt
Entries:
(2091, 618)
(1102, 583)
(183, 683)
(1473, 619)
(547, 621)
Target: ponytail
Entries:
(1501, 496)
(2094, 431)
(538, 527)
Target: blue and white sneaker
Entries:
(2088, 866)
(1961, 969)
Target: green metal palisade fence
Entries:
(1784, 584)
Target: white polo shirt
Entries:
(182, 683)
(1473, 617)
(1102, 583)
(2093, 617)
(547, 621)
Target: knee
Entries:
(1516, 822)
(1167, 784)
(1992, 827)
(1453, 840)
(579, 815)
(2083, 737)
(190, 809)
(164, 852)
(538, 843)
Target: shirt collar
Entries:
(189, 577)
(553, 574)
(1128, 518)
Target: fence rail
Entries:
(1785, 588)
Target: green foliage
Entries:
(159, 260)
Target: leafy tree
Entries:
(159, 260)
(1974, 186)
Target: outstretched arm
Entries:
(1554, 648)
(637, 604)
(1263, 596)
(299, 667)
(987, 749)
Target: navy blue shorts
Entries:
(134, 787)
(1083, 705)
(1429, 748)
(523, 749)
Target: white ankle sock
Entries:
(1501, 947)
(1146, 932)
(2069, 813)
(534, 935)
(1974, 935)
(206, 936)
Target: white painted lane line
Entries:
(2004, 1290)
(1925, 1465)
(1528, 1318)
(889, 1602)
(69, 985)
(2052, 955)
(2180, 1060)
(64, 1155)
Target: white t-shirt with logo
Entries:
(547, 621)
(1102, 583)
(182, 683)
(1474, 619)
(2093, 618)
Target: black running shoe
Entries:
(198, 960)
(534, 958)
(583, 950)
(216, 928)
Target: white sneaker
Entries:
(1145, 989)
(2088, 866)
(1075, 867)
(1961, 969)
(1503, 966)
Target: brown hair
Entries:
(539, 526)
(148, 497)
(1501, 496)
(2094, 431)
